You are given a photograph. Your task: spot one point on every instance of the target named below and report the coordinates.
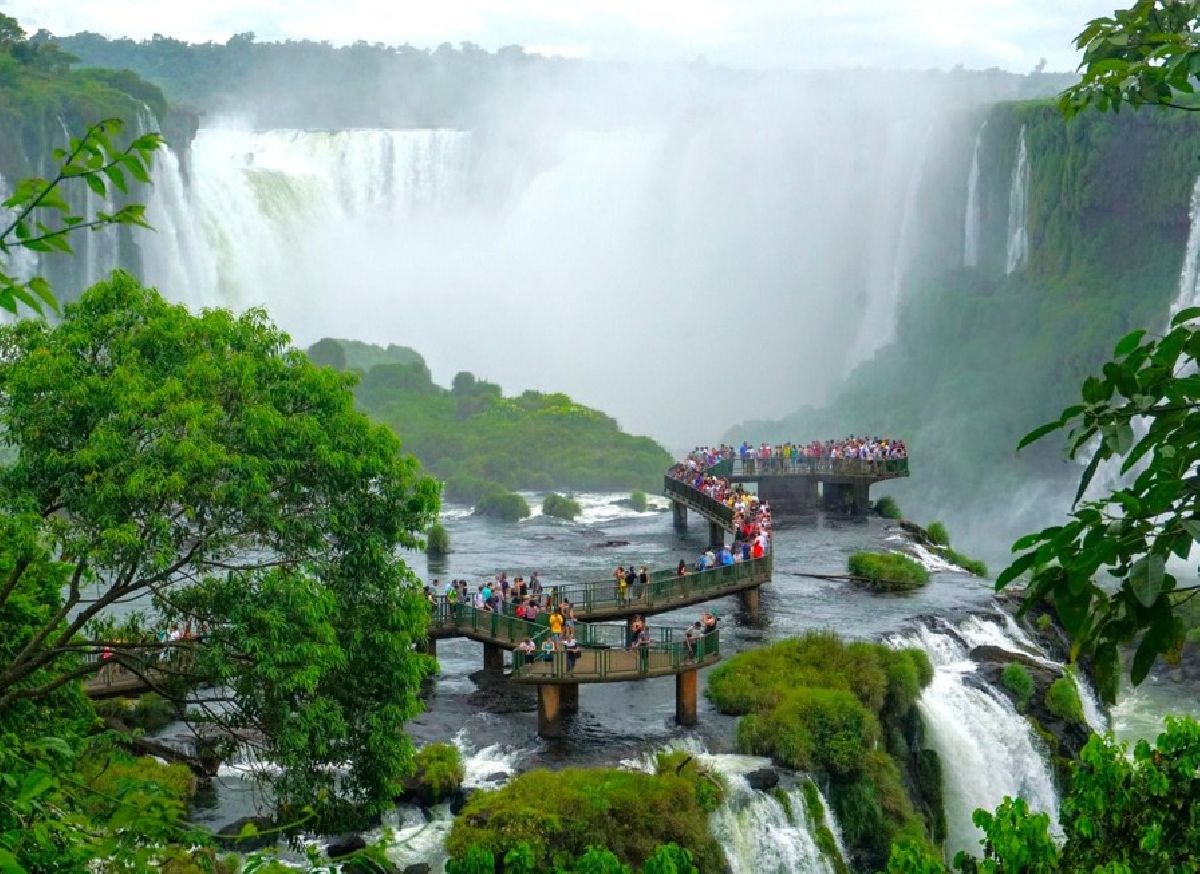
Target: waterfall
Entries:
(1189, 275)
(971, 223)
(561, 240)
(762, 834)
(988, 750)
(1018, 209)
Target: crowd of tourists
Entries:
(861, 448)
(751, 517)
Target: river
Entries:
(987, 748)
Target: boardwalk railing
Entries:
(665, 587)
(800, 466)
(665, 590)
(696, 499)
(599, 663)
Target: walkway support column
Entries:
(685, 697)
(493, 657)
(749, 600)
(569, 697)
(716, 534)
(550, 710)
(862, 498)
(679, 515)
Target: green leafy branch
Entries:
(1147, 54)
(1130, 534)
(42, 219)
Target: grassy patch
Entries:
(970, 565)
(888, 508)
(638, 501)
(938, 534)
(1016, 679)
(888, 572)
(1062, 699)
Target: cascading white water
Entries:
(1189, 275)
(972, 221)
(1018, 209)
(542, 251)
(758, 833)
(988, 750)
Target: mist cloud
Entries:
(1011, 34)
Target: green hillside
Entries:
(472, 436)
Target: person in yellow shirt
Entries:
(556, 626)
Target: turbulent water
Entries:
(565, 247)
(987, 748)
(973, 221)
(1018, 209)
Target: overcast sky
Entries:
(1013, 34)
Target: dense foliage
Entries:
(437, 771)
(437, 542)
(1121, 814)
(1108, 220)
(888, 508)
(559, 815)
(887, 571)
(475, 438)
(199, 467)
(841, 711)
(496, 503)
(560, 506)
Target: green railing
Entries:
(892, 467)
(705, 504)
(508, 631)
(664, 588)
(602, 662)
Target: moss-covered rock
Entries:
(823, 705)
(560, 814)
(887, 571)
(437, 774)
(561, 507)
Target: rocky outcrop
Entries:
(1065, 738)
(764, 779)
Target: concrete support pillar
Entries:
(685, 697)
(493, 657)
(749, 600)
(679, 515)
(716, 534)
(862, 498)
(550, 710)
(569, 697)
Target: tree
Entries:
(38, 217)
(1105, 569)
(199, 469)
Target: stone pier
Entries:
(569, 697)
(716, 535)
(493, 657)
(749, 600)
(550, 709)
(679, 515)
(685, 698)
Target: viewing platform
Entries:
(605, 656)
(792, 486)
